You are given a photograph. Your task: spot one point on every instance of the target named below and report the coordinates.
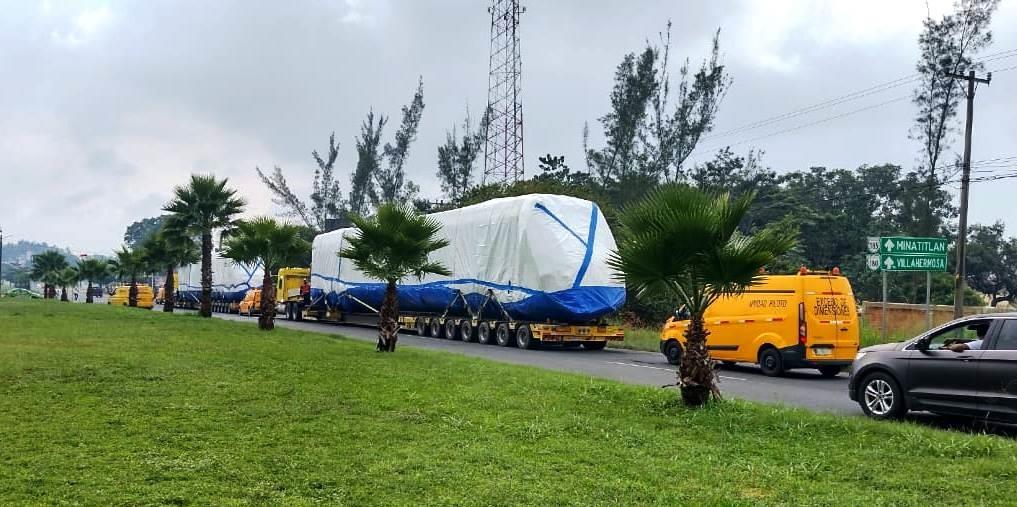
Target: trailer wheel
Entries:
(466, 330)
(524, 337)
(484, 333)
(501, 335)
(436, 328)
(450, 329)
(420, 326)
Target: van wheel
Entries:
(673, 352)
(880, 397)
(771, 363)
(829, 371)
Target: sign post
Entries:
(907, 254)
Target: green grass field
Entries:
(108, 406)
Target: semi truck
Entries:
(230, 282)
(525, 271)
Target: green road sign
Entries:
(897, 245)
(906, 262)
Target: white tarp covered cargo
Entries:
(230, 280)
(543, 256)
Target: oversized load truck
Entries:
(525, 270)
(230, 283)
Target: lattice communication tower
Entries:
(503, 148)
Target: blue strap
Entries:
(541, 207)
(589, 247)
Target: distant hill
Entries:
(20, 253)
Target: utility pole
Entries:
(962, 230)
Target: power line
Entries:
(817, 122)
(850, 97)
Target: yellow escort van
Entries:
(251, 303)
(121, 295)
(808, 320)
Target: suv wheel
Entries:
(880, 397)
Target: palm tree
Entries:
(65, 278)
(681, 244)
(92, 270)
(392, 246)
(167, 249)
(201, 206)
(45, 268)
(274, 245)
(128, 265)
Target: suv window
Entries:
(1007, 337)
(962, 332)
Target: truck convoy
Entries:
(525, 270)
(230, 283)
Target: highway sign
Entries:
(905, 262)
(906, 245)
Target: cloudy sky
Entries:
(105, 105)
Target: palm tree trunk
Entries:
(63, 294)
(206, 274)
(695, 375)
(167, 291)
(388, 325)
(88, 293)
(132, 293)
(266, 320)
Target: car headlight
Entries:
(860, 355)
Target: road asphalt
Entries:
(798, 388)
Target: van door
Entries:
(824, 304)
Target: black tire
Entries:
(436, 328)
(502, 335)
(829, 371)
(484, 333)
(420, 326)
(466, 330)
(298, 312)
(524, 337)
(673, 352)
(594, 345)
(771, 363)
(451, 329)
(880, 396)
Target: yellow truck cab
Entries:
(251, 303)
(287, 292)
(121, 294)
(808, 320)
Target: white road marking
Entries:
(667, 369)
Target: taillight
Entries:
(802, 330)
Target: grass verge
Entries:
(640, 339)
(107, 405)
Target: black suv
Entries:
(965, 367)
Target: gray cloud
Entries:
(106, 105)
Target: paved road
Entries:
(804, 388)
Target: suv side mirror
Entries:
(922, 344)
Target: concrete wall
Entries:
(910, 319)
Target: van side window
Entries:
(1007, 338)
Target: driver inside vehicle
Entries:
(960, 346)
